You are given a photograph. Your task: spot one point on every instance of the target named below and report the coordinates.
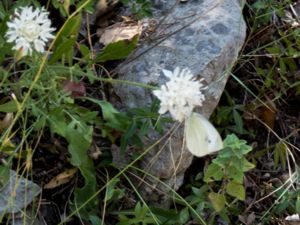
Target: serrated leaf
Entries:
(117, 50)
(218, 201)
(236, 174)
(213, 171)
(236, 190)
(247, 165)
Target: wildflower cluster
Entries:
(180, 94)
(29, 29)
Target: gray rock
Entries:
(17, 193)
(203, 35)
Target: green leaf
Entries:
(282, 205)
(236, 174)
(70, 30)
(117, 50)
(273, 50)
(283, 69)
(8, 107)
(85, 52)
(199, 192)
(225, 154)
(110, 189)
(166, 216)
(213, 171)
(297, 204)
(238, 121)
(62, 50)
(2, 11)
(4, 175)
(259, 5)
(79, 137)
(95, 220)
(184, 216)
(236, 190)
(245, 148)
(66, 39)
(82, 196)
(89, 7)
(66, 5)
(280, 152)
(239, 147)
(218, 201)
(58, 122)
(247, 165)
(140, 210)
(224, 214)
(114, 118)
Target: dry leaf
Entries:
(61, 178)
(269, 113)
(266, 112)
(94, 152)
(120, 31)
(77, 89)
(6, 121)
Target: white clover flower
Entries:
(29, 29)
(180, 94)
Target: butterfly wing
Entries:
(202, 138)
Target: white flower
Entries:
(29, 29)
(180, 94)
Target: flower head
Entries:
(29, 29)
(180, 94)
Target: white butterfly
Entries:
(201, 136)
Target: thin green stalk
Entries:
(141, 198)
(173, 192)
